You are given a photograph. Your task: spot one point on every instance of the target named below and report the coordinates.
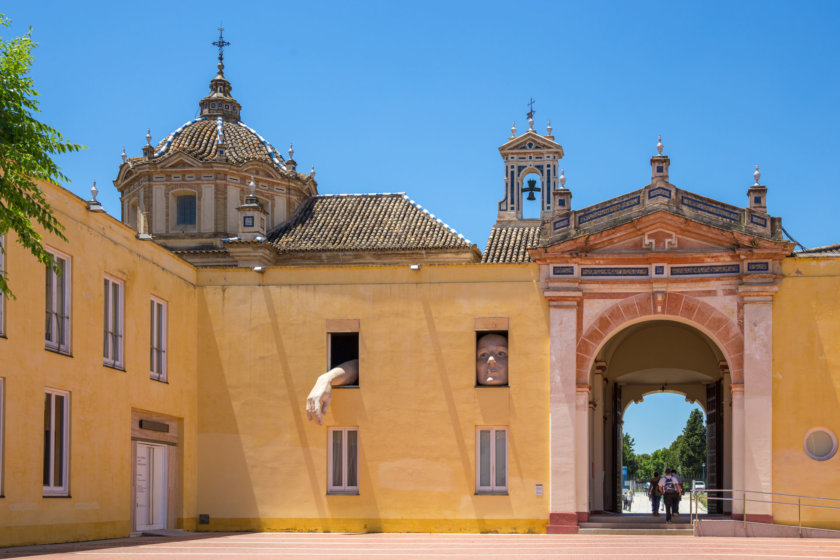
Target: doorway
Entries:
(150, 487)
(655, 357)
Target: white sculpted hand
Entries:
(321, 394)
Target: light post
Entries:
(704, 472)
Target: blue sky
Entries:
(417, 97)
(657, 421)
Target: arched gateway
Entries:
(658, 256)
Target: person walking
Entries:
(676, 512)
(670, 492)
(655, 494)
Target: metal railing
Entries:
(755, 496)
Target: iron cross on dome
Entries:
(221, 43)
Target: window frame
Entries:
(179, 211)
(155, 304)
(63, 323)
(493, 487)
(50, 445)
(344, 487)
(114, 323)
(2, 294)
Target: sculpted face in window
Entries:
(491, 360)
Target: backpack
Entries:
(655, 492)
(670, 485)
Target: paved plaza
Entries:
(316, 546)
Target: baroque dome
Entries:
(204, 137)
(218, 134)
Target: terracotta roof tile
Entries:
(825, 251)
(509, 244)
(364, 222)
(199, 138)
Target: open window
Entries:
(491, 352)
(342, 343)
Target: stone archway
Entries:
(723, 330)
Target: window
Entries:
(57, 335)
(157, 349)
(820, 444)
(344, 460)
(491, 461)
(112, 345)
(2, 295)
(344, 347)
(186, 210)
(2, 428)
(56, 441)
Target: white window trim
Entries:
(114, 325)
(158, 375)
(62, 490)
(56, 345)
(2, 429)
(492, 488)
(344, 488)
(2, 295)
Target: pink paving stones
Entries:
(417, 546)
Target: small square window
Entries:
(343, 348)
(659, 169)
(247, 221)
(561, 202)
(757, 199)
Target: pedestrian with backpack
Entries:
(676, 512)
(671, 492)
(655, 494)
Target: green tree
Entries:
(629, 456)
(692, 446)
(26, 149)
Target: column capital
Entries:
(583, 388)
(600, 367)
(737, 389)
(757, 293)
(563, 298)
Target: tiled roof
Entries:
(824, 251)
(364, 222)
(202, 138)
(509, 244)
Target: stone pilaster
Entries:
(563, 415)
(758, 396)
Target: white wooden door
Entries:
(150, 495)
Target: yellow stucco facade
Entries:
(244, 348)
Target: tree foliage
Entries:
(26, 149)
(686, 453)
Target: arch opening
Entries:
(532, 199)
(638, 366)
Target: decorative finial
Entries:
(659, 146)
(548, 128)
(562, 178)
(312, 173)
(221, 43)
(148, 136)
(252, 185)
(124, 156)
(291, 151)
(757, 176)
(93, 192)
(513, 129)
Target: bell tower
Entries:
(528, 154)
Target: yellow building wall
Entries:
(263, 342)
(101, 398)
(806, 386)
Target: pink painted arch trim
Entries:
(723, 331)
